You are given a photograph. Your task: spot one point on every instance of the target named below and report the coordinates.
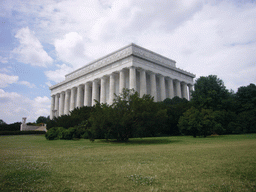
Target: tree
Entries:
(202, 122)
(189, 123)
(245, 121)
(3, 125)
(128, 116)
(42, 119)
(76, 117)
(175, 108)
(209, 92)
(10, 127)
(246, 97)
(2, 122)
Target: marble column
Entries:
(143, 83)
(79, 96)
(132, 79)
(184, 90)
(190, 89)
(103, 90)
(67, 102)
(61, 109)
(162, 87)
(57, 105)
(52, 106)
(72, 99)
(95, 91)
(153, 85)
(86, 94)
(170, 87)
(178, 88)
(121, 80)
(111, 88)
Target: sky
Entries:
(42, 41)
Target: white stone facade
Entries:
(131, 67)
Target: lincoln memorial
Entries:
(130, 67)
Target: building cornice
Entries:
(129, 50)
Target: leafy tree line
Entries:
(215, 110)
(212, 110)
(9, 127)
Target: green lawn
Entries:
(220, 163)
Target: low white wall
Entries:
(31, 127)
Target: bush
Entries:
(67, 134)
(52, 134)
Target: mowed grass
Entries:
(219, 163)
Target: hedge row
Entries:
(76, 132)
(21, 132)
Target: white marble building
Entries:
(131, 67)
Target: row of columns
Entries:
(86, 94)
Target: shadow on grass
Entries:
(147, 141)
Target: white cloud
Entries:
(59, 74)
(71, 49)
(15, 106)
(6, 80)
(30, 50)
(41, 106)
(26, 83)
(3, 59)
(48, 83)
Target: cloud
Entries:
(26, 83)
(71, 49)
(41, 105)
(6, 80)
(48, 83)
(130, 18)
(15, 106)
(30, 50)
(59, 74)
(3, 59)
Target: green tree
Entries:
(2, 122)
(76, 117)
(209, 92)
(246, 96)
(202, 122)
(42, 119)
(128, 116)
(175, 108)
(246, 111)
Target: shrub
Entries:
(52, 134)
(69, 133)
(61, 132)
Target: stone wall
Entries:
(32, 128)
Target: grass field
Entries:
(220, 163)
